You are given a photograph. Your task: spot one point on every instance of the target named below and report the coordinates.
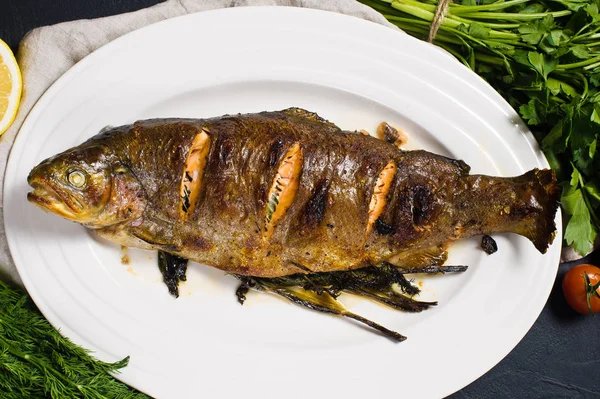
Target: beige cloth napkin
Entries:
(48, 52)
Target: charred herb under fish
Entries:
(488, 244)
(320, 291)
(384, 283)
(173, 269)
(380, 283)
(324, 303)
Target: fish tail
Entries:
(538, 224)
(524, 205)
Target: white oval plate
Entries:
(204, 344)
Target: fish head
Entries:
(88, 185)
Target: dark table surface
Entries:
(558, 358)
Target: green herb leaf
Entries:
(479, 31)
(595, 78)
(547, 23)
(595, 117)
(579, 232)
(537, 61)
(529, 113)
(521, 57)
(555, 37)
(585, 130)
(592, 11)
(580, 51)
(542, 63)
(533, 32)
(530, 33)
(556, 87)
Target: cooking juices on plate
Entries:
(289, 203)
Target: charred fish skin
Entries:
(238, 177)
(288, 192)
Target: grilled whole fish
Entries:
(279, 193)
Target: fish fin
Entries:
(120, 234)
(157, 233)
(106, 129)
(538, 223)
(434, 256)
(312, 116)
(148, 239)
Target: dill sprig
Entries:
(37, 362)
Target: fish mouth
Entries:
(51, 198)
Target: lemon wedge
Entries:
(10, 87)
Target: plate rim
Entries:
(63, 80)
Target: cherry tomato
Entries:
(581, 293)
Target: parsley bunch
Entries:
(543, 57)
(37, 362)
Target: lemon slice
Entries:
(10, 87)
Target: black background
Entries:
(558, 358)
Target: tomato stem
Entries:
(590, 290)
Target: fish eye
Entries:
(76, 178)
